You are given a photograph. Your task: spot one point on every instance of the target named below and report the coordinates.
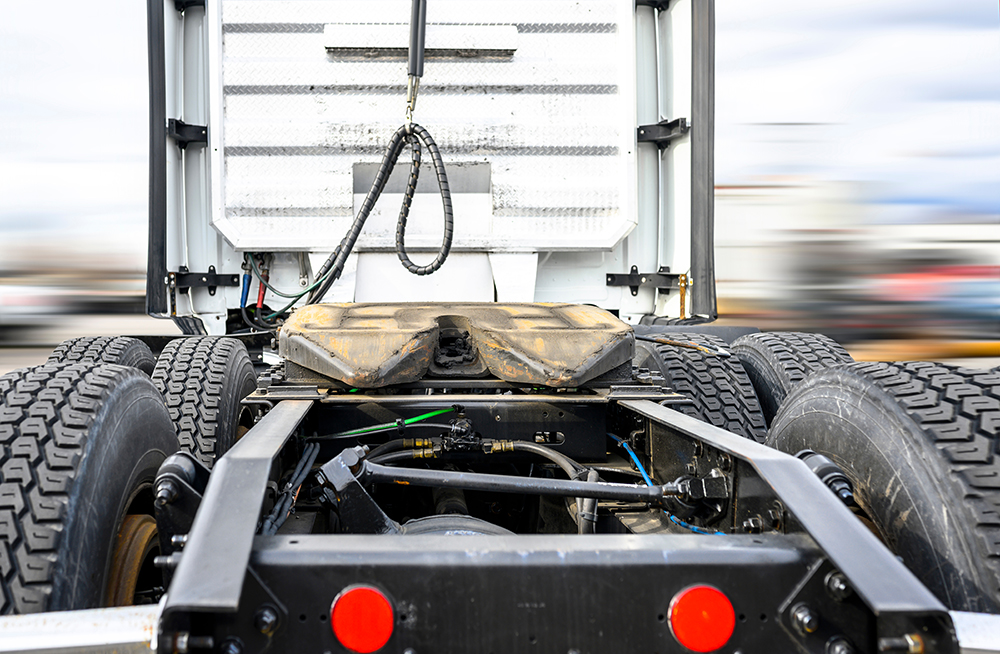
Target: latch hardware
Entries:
(184, 279)
(181, 5)
(663, 132)
(183, 134)
(663, 279)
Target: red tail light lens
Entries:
(362, 619)
(702, 618)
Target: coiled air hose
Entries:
(413, 135)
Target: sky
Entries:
(900, 96)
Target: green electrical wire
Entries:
(296, 296)
(390, 425)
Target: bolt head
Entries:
(805, 619)
(839, 646)
(166, 493)
(266, 620)
(837, 586)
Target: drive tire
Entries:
(119, 350)
(203, 379)
(919, 443)
(719, 387)
(777, 361)
(80, 444)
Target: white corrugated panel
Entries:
(540, 92)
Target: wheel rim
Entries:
(137, 540)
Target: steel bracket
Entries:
(184, 134)
(662, 280)
(659, 5)
(184, 279)
(663, 132)
(181, 5)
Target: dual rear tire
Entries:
(80, 445)
(82, 437)
(920, 443)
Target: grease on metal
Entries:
(375, 345)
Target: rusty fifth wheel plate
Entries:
(375, 345)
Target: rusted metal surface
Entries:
(375, 345)
(137, 538)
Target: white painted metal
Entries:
(555, 121)
(643, 243)
(201, 243)
(125, 630)
(570, 197)
(514, 275)
(675, 165)
(464, 277)
(978, 633)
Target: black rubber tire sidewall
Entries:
(899, 480)
(129, 439)
(241, 381)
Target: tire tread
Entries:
(119, 350)
(191, 374)
(778, 361)
(39, 459)
(719, 387)
(958, 411)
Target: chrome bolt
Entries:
(805, 620)
(837, 586)
(266, 620)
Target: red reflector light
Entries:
(362, 619)
(702, 618)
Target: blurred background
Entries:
(857, 173)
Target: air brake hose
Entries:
(572, 469)
(412, 134)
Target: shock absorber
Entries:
(830, 474)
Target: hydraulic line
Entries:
(587, 514)
(403, 455)
(649, 482)
(282, 508)
(378, 473)
(400, 444)
(413, 135)
(389, 426)
(572, 469)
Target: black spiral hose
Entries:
(414, 135)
